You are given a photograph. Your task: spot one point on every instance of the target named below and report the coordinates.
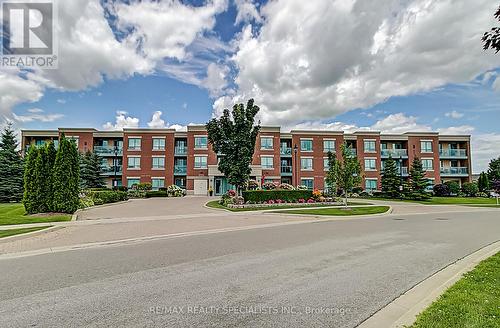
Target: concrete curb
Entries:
(29, 234)
(389, 211)
(403, 310)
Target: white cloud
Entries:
(247, 12)
(35, 110)
(61, 101)
(122, 121)
(15, 90)
(36, 114)
(399, 123)
(485, 147)
(454, 114)
(462, 129)
(215, 81)
(156, 121)
(496, 84)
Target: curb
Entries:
(30, 234)
(389, 211)
(403, 310)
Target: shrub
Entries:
(231, 193)
(253, 185)
(441, 190)
(302, 187)
(120, 188)
(175, 191)
(159, 193)
(238, 200)
(290, 196)
(316, 194)
(310, 201)
(134, 193)
(107, 196)
(86, 202)
(286, 186)
(143, 186)
(302, 200)
(269, 186)
(453, 186)
(470, 189)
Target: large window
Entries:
(200, 162)
(369, 146)
(428, 164)
(158, 143)
(306, 164)
(308, 182)
(134, 162)
(158, 162)
(426, 146)
(200, 142)
(370, 164)
(306, 145)
(326, 164)
(266, 162)
(329, 145)
(134, 143)
(157, 183)
(132, 181)
(370, 184)
(266, 143)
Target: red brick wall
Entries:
(360, 146)
(275, 152)
(414, 150)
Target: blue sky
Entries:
(324, 65)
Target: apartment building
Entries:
(164, 156)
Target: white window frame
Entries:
(134, 167)
(133, 178)
(157, 167)
(158, 179)
(371, 179)
(200, 137)
(325, 150)
(203, 166)
(134, 138)
(307, 179)
(422, 149)
(265, 166)
(306, 169)
(267, 138)
(370, 169)
(432, 166)
(162, 147)
(374, 145)
(325, 161)
(306, 150)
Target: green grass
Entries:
(215, 204)
(473, 302)
(15, 214)
(448, 201)
(13, 232)
(339, 211)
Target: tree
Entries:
(66, 177)
(470, 189)
(418, 181)
(11, 167)
(346, 173)
(491, 39)
(30, 199)
(50, 158)
(390, 179)
(330, 175)
(453, 186)
(41, 181)
(483, 183)
(494, 170)
(441, 190)
(234, 137)
(90, 171)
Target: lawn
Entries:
(448, 200)
(215, 204)
(474, 301)
(13, 232)
(15, 214)
(339, 211)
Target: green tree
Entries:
(91, 171)
(494, 170)
(346, 173)
(390, 179)
(491, 39)
(11, 167)
(30, 199)
(50, 158)
(42, 178)
(470, 189)
(453, 186)
(483, 183)
(234, 135)
(66, 174)
(418, 181)
(330, 175)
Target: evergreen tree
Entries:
(418, 181)
(50, 158)
(30, 199)
(66, 177)
(11, 167)
(494, 170)
(41, 182)
(346, 174)
(483, 183)
(90, 171)
(390, 179)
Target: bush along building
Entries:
(164, 157)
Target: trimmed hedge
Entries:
(258, 196)
(159, 193)
(107, 196)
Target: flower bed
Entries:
(267, 205)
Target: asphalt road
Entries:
(333, 274)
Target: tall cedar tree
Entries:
(418, 181)
(494, 170)
(391, 179)
(90, 171)
(66, 177)
(234, 135)
(50, 159)
(11, 167)
(345, 173)
(483, 183)
(491, 39)
(41, 182)
(30, 197)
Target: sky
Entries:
(387, 65)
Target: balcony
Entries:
(403, 171)
(286, 151)
(110, 170)
(180, 150)
(453, 153)
(108, 151)
(180, 169)
(454, 171)
(352, 151)
(286, 170)
(394, 153)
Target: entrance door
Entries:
(218, 186)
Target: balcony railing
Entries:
(395, 153)
(110, 170)
(403, 171)
(286, 151)
(453, 153)
(180, 169)
(286, 169)
(454, 171)
(180, 150)
(108, 150)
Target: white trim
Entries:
(160, 137)
(200, 155)
(158, 156)
(134, 137)
(134, 156)
(311, 157)
(266, 137)
(158, 178)
(272, 156)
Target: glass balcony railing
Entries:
(180, 169)
(108, 150)
(110, 170)
(394, 153)
(454, 171)
(180, 150)
(286, 151)
(403, 170)
(453, 153)
(286, 169)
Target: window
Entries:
(157, 183)
(430, 186)
(326, 165)
(134, 143)
(158, 143)
(158, 162)
(200, 142)
(426, 146)
(329, 145)
(266, 162)
(306, 145)
(369, 146)
(200, 162)
(309, 183)
(306, 164)
(132, 181)
(266, 143)
(134, 162)
(370, 184)
(370, 165)
(428, 164)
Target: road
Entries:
(343, 271)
